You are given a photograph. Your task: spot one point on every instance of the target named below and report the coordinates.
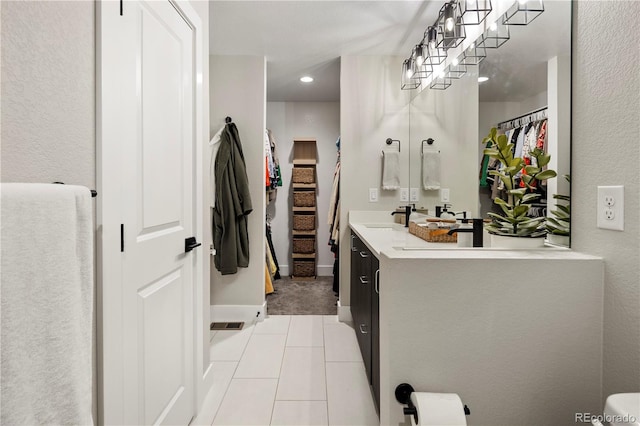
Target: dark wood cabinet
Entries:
(365, 304)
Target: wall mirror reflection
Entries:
(522, 87)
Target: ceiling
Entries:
(307, 37)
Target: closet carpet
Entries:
(302, 297)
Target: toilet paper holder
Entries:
(403, 396)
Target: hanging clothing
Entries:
(271, 248)
(232, 204)
(268, 284)
(333, 217)
(273, 178)
(214, 143)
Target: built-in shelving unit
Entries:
(304, 210)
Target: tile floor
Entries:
(290, 370)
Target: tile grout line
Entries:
(275, 395)
(233, 375)
(224, 395)
(326, 383)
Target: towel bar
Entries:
(94, 193)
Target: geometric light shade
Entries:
(473, 12)
(495, 36)
(408, 71)
(523, 12)
(435, 54)
(451, 30)
(455, 70)
(440, 83)
(423, 68)
(473, 55)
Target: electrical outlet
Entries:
(373, 195)
(404, 194)
(413, 196)
(610, 207)
(444, 195)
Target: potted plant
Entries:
(559, 225)
(514, 221)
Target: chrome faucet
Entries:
(407, 212)
(478, 230)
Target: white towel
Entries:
(47, 304)
(390, 170)
(431, 170)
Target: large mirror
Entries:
(528, 84)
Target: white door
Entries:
(151, 106)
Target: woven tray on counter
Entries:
(432, 235)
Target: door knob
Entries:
(190, 243)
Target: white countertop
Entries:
(384, 237)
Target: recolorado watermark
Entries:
(604, 418)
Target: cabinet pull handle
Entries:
(363, 279)
(364, 254)
(377, 285)
(361, 330)
(353, 246)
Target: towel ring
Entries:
(429, 141)
(389, 141)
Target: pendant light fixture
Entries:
(455, 70)
(408, 71)
(495, 36)
(523, 12)
(440, 82)
(473, 55)
(423, 67)
(473, 12)
(448, 32)
(436, 54)
(451, 30)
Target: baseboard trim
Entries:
(344, 313)
(246, 313)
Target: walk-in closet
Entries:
(302, 215)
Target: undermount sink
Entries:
(385, 226)
(435, 246)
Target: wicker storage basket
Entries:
(303, 175)
(304, 268)
(304, 198)
(304, 245)
(432, 235)
(304, 222)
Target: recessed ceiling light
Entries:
(306, 79)
(482, 79)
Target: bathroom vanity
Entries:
(516, 333)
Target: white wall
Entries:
(450, 117)
(534, 102)
(320, 121)
(48, 92)
(372, 109)
(237, 89)
(605, 151)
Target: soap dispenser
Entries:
(445, 213)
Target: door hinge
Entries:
(121, 7)
(122, 238)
